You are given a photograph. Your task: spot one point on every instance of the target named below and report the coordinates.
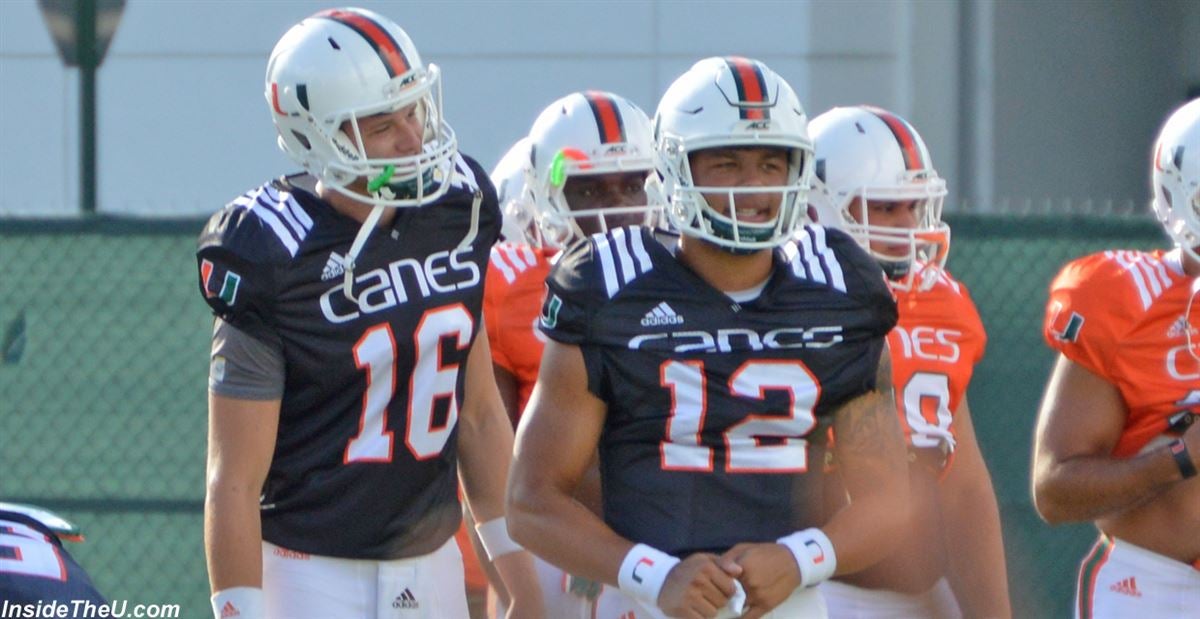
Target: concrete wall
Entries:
(183, 125)
(1081, 89)
(1077, 89)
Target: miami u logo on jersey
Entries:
(1065, 327)
(550, 309)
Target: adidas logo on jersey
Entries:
(1180, 328)
(662, 314)
(1127, 587)
(334, 267)
(229, 610)
(406, 600)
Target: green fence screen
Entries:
(104, 364)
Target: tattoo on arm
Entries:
(866, 427)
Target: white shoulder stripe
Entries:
(829, 260)
(812, 259)
(606, 264)
(270, 199)
(268, 216)
(627, 271)
(501, 265)
(465, 176)
(1156, 288)
(639, 251)
(808, 262)
(516, 258)
(1123, 259)
(621, 269)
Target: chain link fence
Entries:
(103, 364)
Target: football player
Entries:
(876, 181)
(1117, 441)
(706, 367)
(34, 566)
(586, 161)
(351, 382)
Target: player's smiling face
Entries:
(752, 166)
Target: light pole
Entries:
(82, 30)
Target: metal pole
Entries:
(86, 27)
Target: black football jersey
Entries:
(35, 568)
(717, 410)
(365, 456)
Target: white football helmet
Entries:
(721, 103)
(515, 200)
(582, 134)
(1176, 177)
(339, 66)
(867, 153)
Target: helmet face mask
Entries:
(1176, 178)
(587, 138)
(868, 157)
(723, 103)
(335, 69)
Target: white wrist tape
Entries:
(240, 602)
(643, 572)
(813, 553)
(493, 534)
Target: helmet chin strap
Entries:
(360, 239)
(1190, 320)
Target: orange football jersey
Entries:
(934, 347)
(1122, 315)
(512, 302)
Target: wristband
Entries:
(240, 602)
(643, 572)
(1183, 459)
(493, 534)
(814, 555)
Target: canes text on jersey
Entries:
(1181, 365)
(728, 340)
(441, 272)
(930, 344)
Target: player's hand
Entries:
(698, 587)
(769, 575)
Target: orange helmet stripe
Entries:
(608, 119)
(905, 137)
(380, 40)
(751, 86)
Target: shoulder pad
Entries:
(1095, 299)
(604, 262)
(241, 246)
(510, 260)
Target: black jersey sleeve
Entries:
(573, 295)
(237, 257)
(865, 281)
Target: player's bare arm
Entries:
(871, 457)
(555, 445)
(485, 441)
(971, 517)
(1074, 476)
(241, 442)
